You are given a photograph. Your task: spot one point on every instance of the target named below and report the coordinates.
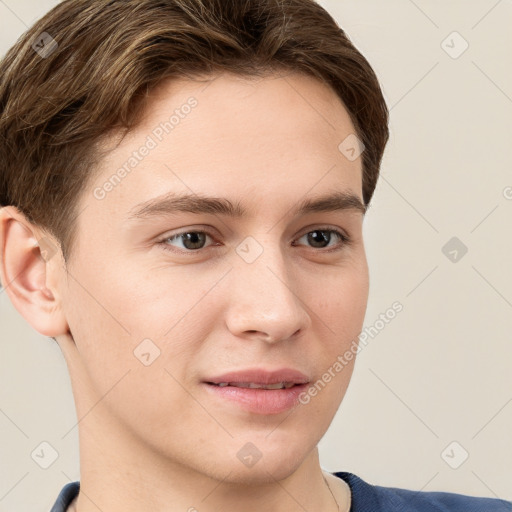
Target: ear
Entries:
(30, 265)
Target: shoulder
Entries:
(420, 501)
(374, 498)
(66, 496)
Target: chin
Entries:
(265, 460)
(262, 473)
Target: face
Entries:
(170, 290)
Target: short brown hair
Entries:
(106, 57)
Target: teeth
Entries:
(252, 385)
(277, 385)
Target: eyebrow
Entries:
(199, 204)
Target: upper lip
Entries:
(261, 376)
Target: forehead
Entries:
(230, 136)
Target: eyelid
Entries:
(188, 229)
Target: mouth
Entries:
(257, 390)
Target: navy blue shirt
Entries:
(373, 498)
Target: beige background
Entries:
(439, 372)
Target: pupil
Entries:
(193, 240)
(314, 239)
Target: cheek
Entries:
(342, 304)
(340, 315)
(149, 322)
(126, 366)
(125, 301)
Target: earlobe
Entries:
(28, 266)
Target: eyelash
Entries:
(345, 240)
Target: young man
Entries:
(184, 184)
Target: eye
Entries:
(189, 241)
(322, 237)
(194, 240)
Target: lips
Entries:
(257, 390)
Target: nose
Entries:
(265, 299)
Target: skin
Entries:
(151, 437)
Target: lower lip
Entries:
(260, 401)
